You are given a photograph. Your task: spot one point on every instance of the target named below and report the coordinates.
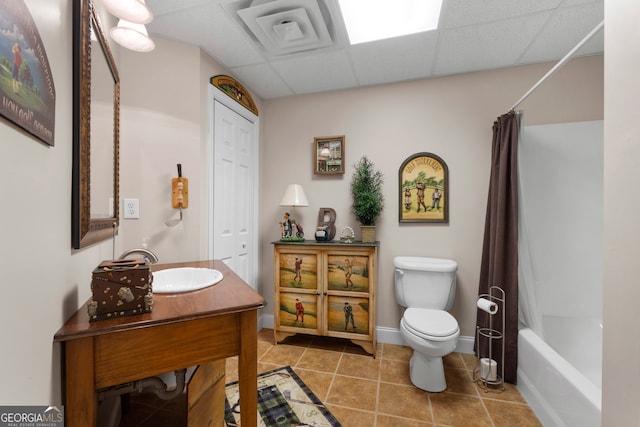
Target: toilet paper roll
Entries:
(488, 306)
(488, 369)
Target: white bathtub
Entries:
(558, 393)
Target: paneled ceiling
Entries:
(473, 35)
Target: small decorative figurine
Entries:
(290, 231)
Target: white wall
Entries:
(621, 374)
(451, 117)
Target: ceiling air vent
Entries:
(287, 26)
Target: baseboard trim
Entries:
(385, 335)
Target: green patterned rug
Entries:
(283, 400)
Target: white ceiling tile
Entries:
(474, 35)
(458, 13)
(162, 7)
(262, 81)
(565, 29)
(402, 58)
(329, 70)
(486, 46)
(209, 27)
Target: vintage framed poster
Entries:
(328, 155)
(423, 189)
(26, 84)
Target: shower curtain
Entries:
(499, 265)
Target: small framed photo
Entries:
(328, 155)
(424, 189)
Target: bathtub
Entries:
(556, 390)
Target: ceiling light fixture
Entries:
(135, 11)
(132, 36)
(380, 19)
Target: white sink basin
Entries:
(184, 279)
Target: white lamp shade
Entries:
(135, 11)
(294, 196)
(132, 36)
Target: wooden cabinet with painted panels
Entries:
(326, 289)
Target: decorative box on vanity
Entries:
(120, 288)
(326, 289)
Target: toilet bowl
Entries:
(426, 286)
(432, 334)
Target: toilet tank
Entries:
(425, 282)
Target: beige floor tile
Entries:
(395, 371)
(510, 393)
(353, 393)
(389, 421)
(352, 348)
(453, 360)
(283, 354)
(359, 366)
(263, 347)
(404, 401)
(318, 382)
(470, 361)
(458, 410)
(506, 414)
(352, 417)
(460, 381)
(398, 352)
(319, 360)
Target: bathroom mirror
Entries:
(96, 117)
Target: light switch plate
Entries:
(131, 208)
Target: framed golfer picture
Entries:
(423, 189)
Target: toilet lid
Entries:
(435, 323)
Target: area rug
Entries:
(283, 400)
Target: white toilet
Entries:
(427, 286)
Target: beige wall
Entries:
(43, 280)
(451, 117)
(621, 344)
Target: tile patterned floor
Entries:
(363, 391)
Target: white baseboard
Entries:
(385, 335)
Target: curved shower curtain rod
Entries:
(559, 65)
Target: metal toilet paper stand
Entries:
(488, 372)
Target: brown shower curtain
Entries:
(499, 265)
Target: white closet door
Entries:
(235, 154)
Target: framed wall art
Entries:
(423, 189)
(328, 155)
(26, 82)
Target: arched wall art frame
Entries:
(423, 193)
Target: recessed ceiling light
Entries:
(369, 20)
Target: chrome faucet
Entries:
(144, 252)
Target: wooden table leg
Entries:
(248, 368)
(81, 406)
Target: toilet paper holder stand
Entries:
(488, 371)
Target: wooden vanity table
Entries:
(185, 329)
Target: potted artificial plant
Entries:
(368, 201)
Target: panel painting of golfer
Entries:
(348, 273)
(298, 310)
(348, 314)
(27, 89)
(298, 271)
(423, 189)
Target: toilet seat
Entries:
(435, 325)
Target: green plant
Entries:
(366, 190)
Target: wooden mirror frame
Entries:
(85, 229)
